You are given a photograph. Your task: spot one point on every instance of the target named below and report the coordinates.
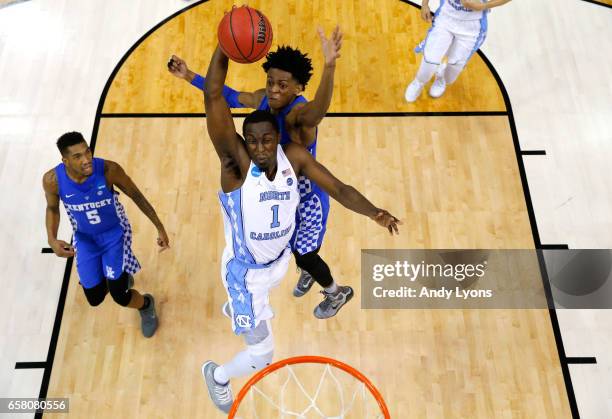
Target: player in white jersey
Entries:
(259, 198)
(459, 28)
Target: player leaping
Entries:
(259, 197)
(288, 72)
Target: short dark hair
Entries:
(292, 61)
(68, 139)
(260, 116)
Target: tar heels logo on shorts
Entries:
(243, 321)
(255, 171)
(289, 181)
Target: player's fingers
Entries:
(394, 225)
(67, 252)
(320, 32)
(336, 34)
(66, 245)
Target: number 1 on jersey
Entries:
(275, 222)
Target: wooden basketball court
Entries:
(448, 168)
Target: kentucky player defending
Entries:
(288, 71)
(458, 30)
(259, 197)
(102, 232)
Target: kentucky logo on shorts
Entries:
(110, 273)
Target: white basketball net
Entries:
(356, 402)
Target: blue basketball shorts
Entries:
(104, 255)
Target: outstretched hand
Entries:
(331, 47)
(162, 240)
(62, 248)
(387, 220)
(178, 67)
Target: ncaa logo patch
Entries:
(243, 321)
(289, 181)
(255, 171)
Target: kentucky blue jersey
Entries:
(280, 118)
(91, 206)
(311, 217)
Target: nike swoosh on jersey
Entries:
(68, 196)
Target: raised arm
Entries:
(219, 122)
(311, 114)
(347, 195)
(52, 216)
(115, 175)
(178, 67)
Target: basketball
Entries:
(245, 34)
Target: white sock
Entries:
(332, 288)
(426, 70)
(239, 366)
(220, 375)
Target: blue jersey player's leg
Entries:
(311, 224)
(89, 268)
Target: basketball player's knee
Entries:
(260, 345)
(96, 295)
(307, 261)
(260, 338)
(119, 289)
(457, 65)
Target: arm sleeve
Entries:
(198, 81)
(230, 95)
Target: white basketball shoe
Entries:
(438, 87)
(413, 91)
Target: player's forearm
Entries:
(234, 98)
(147, 209)
(191, 77)
(495, 3)
(425, 3)
(217, 72)
(52, 220)
(315, 111)
(352, 199)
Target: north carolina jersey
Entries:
(311, 217)
(456, 10)
(91, 206)
(259, 217)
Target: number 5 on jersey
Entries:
(93, 217)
